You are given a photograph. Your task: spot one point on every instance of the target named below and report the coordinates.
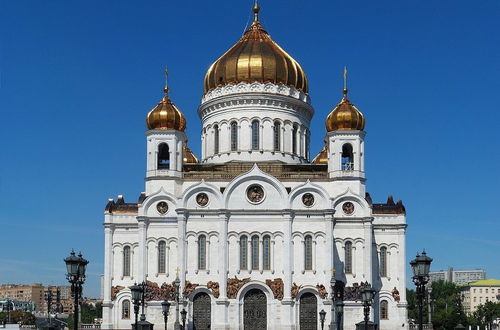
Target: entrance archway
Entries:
(255, 310)
(308, 313)
(202, 311)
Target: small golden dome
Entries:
(188, 155)
(255, 57)
(166, 116)
(321, 157)
(345, 116)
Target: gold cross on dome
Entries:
(177, 271)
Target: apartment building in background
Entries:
(458, 277)
(480, 292)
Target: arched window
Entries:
(243, 252)
(384, 310)
(307, 144)
(383, 261)
(162, 248)
(347, 157)
(126, 309)
(348, 258)
(266, 262)
(202, 252)
(126, 261)
(234, 136)
(163, 157)
(255, 135)
(308, 252)
(216, 139)
(277, 135)
(294, 139)
(255, 252)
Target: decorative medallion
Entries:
(255, 193)
(162, 207)
(202, 199)
(308, 199)
(348, 208)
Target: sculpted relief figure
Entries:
(276, 286)
(395, 294)
(115, 290)
(234, 285)
(295, 289)
(189, 288)
(214, 286)
(321, 291)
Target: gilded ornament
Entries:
(345, 116)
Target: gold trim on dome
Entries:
(321, 157)
(255, 58)
(345, 116)
(188, 155)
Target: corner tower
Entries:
(345, 126)
(256, 105)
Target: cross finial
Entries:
(165, 89)
(345, 81)
(177, 271)
(256, 10)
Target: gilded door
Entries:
(308, 312)
(255, 310)
(202, 310)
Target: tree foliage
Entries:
(88, 312)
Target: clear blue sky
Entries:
(78, 78)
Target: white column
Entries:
(142, 257)
(314, 256)
(208, 254)
(273, 242)
(368, 256)
(287, 302)
(329, 248)
(108, 266)
(181, 248)
(222, 303)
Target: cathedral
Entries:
(254, 231)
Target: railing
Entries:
(425, 326)
(90, 326)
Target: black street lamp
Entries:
(136, 300)
(337, 286)
(322, 316)
(421, 266)
(367, 295)
(165, 307)
(183, 317)
(76, 267)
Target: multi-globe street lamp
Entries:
(421, 266)
(367, 295)
(76, 267)
(322, 316)
(136, 300)
(165, 307)
(337, 286)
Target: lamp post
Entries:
(165, 307)
(177, 285)
(49, 305)
(76, 267)
(136, 299)
(322, 316)
(337, 322)
(420, 267)
(183, 317)
(367, 294)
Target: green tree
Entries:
(445, 301)
(88, 312)
(485, 314)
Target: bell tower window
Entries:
(163, 157)
(255, 135)
(347, 158)
(234, 136)
(216, 139)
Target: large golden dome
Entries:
(188, 155)
(255, 57)
(166, 116)
(321, 157)
(345, 117)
